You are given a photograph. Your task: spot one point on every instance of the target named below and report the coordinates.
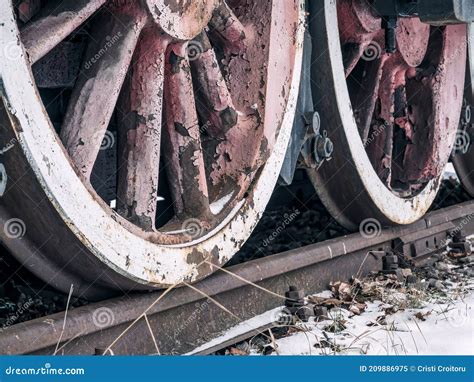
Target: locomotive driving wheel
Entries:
(463, 158)
(391, 116)
(200, 96)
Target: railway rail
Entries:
(178, 320)
(141, 141)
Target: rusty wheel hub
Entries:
(412, 41)
(182, 19)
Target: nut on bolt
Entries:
(321, 313)
(295, 304)
(390, 263)
(314, 121)
(294, 299)
(323, 147)
(460, 244)
(318, 147)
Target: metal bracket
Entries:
(421, 245)
(317, 146)
(303, 107)
(444, 12)
(435, 12)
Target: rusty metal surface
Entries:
(72, 235)
(140, 118)
(56, 22)
(393, 121)
(98, 86)
(184, 319)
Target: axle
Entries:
(434, 12)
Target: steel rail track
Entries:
(180, 320)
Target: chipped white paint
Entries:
(90, 220)
(218, 206)
(399, 210)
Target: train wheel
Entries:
(463, 158)
(392, 117)
(201, 99)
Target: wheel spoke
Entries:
(228, 27)
(428, 93)
(218, 110)
(55, 23)
(358, 29)
(367, 95)
(381, 150)
(354, 52)
(98, 86)
(127, 83)
(140, 132)
(411, 130)
(185, 161)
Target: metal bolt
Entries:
(320, 312)
(304, 313)
(390, 263)
(316, 122)
(390, 26)
(324, 147)
(294, 299)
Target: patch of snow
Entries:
(382, 315)
(324, 294)
(450, 172)
(448, 330)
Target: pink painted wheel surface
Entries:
(392, 117)
(191, 102)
